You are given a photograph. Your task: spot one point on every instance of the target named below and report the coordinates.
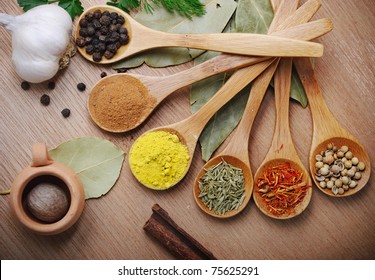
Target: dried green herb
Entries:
(187, 8)
(222, 188)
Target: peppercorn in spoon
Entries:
(332, 139)
(282, 185)
(131, 40)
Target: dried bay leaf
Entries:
(252, 16)
(218, 13)
(96, 161)
(297, 91)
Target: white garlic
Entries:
(39, 39)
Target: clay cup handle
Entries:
(40, 155)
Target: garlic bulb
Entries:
(39, 39)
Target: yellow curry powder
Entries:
(119, 103)
(158, 159)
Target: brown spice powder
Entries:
(118, 103)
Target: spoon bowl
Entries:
(282, 150)
(248, 184)
(143, 38)
(259, 201)
(327, 130)
(358, 151)
(189, 129)
(236, 153)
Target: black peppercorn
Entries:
(90, 30)
(124, 39)
(81, 42)
(83, 22)
(89, 17)
(103, 74)
(65, 112)
(114, 15)
(97, 14)
(120, 20)
(108, 54)
(104, 30)
(25, 85)
(105, 20)
(96, 24)
(81, 86)
(89, 49)
(51, 84)
(83, 32)
(122, 30)
(111, 48)
(45, 99)
(101, 47)
(97, 56)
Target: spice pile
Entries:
(222, 188)
(158, 159)
(102, 34)
(282, 189)
(118, 104)
(338, 169)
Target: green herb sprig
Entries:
(187, 8)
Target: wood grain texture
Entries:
(111, 227)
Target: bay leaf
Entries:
(259, 13)
(96, 161)
(253, 16)
(297, 91)
(218, 13)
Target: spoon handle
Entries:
(282, 144)
(325, 124)
(192, 127)
(161, 87)
(242, 43)
(242, 132)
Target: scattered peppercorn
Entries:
(81, 86)
(25, 85)
(103, 74)
(51, 84)
(45, 99)
(102, 34)
(65, 112)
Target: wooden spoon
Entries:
(158, 88)
(236, 152)
(189, 129)
(326, 129)
(143, 38)
(282, 149)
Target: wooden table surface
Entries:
(111, 227)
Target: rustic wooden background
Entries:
(111, 227)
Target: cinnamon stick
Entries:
(174, 238)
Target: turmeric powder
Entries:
(158, 159)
